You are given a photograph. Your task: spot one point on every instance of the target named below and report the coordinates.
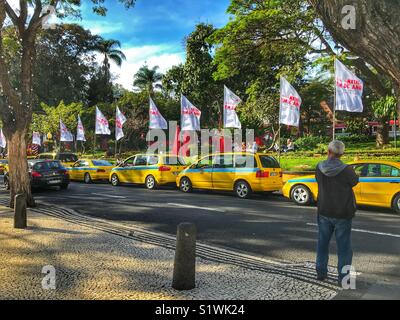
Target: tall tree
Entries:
(65, 63)
(17, 89)
(110, 51)
(147, 79)
(375, 38)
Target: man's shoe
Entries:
(321, 277)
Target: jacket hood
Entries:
(331, 167)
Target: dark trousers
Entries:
(342, 229)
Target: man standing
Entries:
(336, 210)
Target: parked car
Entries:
(240, 172)
(90, 170)
(379, 185)
(3, 166)
(151, 170)
(67, 158)
(44, 174)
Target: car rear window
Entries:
(172, 160)
(269, 162)
(69, 157)
(102, 163)
(49, 165)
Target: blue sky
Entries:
(152, 31)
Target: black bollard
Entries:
(20, 211)
(185, 258)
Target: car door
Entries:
(139, 169)
(361, 170)
(380, 184)
(75, 173)
(125, 172)
(223, 174)
(201, 173)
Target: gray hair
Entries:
(337, 147)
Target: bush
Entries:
(310, 143)
(356, 138)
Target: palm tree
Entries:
(110, 51)
(147, 79)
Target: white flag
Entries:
(65, 134)
(157, 121)
(101, 123)
(290, 104)
(190, 115)
(36, 139)
(80, 131)
(3, 141)
(119, 122)
(349, 89)
(231, 101)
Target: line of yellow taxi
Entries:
(243, 173)
(379, 185)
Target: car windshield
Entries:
(269, 162)
(102, 163)
(49, 165)
(67, 157)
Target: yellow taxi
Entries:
(379, 185)
(3, 166)
(67, 159)
(152, 170)
(90, 170)
(241, 172)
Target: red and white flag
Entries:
(349, 89)
(119, 123)
(3, 141)
(65, 134)
(290, 104)
(190, 115)
(36, 139)
(231, 101)
(102, 126)
(80, 131)
(157, 121)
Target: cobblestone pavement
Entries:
(93, 262)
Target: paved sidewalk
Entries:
(93, 264)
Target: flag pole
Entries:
(334, 105)
(279, 142)
(94, 144)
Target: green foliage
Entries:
(310, 143)
(354, 139)
(384, 107)
(147, 79)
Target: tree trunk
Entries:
(18, 168)
(382, 137)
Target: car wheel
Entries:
(301, 195)
(396, 204)
(114, 180)
(87, 179)
(242, 189)
(64, 187)
(151, 183)
(185, 185)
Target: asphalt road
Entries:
(267, 226)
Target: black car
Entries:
(45, 173)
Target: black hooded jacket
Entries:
(336, 181)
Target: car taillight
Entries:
(280, 174)
(36, 174)
(164, 168)
(262, 174)
(101, 170)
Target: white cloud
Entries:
(154, 55)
